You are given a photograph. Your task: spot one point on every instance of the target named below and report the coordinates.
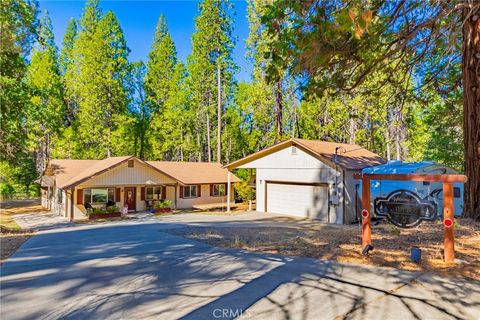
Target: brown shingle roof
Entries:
(194, 172)
(69, 173)
(65, 169)
(350, 156)
(90, 169)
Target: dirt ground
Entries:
(10, 241)
(343, 244)
(13, 207)
(11, 237)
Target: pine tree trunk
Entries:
(181, 145)
(278, 108)
(397, 145)
(209, 147)
(351, 138)
(199, 146)
(471, 107)
(398, 149)
(219, 115)
(387, 142)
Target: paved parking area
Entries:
(135, 270)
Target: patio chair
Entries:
(88, 206)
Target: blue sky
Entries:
(139, 18)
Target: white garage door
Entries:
(309, 201)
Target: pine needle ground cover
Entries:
(11, 236)
(343, 244)
(11, 240)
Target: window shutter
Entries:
(211, 190)
(199, 190)
(181, 192)
(79, 196)
(117, 194)
(142, 193)
(164, 192)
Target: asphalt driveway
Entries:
(138, 271)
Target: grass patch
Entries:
(7, 222)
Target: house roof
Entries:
(65, 169)
(347, 156)
(194, 172)
(69, 173)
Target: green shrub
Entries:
(163, 204)
(34, 190)
(6, 191)
(111, 209)
(243, 191)
(99, 210)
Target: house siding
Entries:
(140, 174)
(205, 198)
(300, 167)
(350, 182)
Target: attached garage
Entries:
(306, 200)
(308, 178)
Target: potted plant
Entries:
(163, 206)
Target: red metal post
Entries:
(448, 219)
(366, 221)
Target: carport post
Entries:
(448, 222)
(228, 190)
(71, 203)
(366, 214)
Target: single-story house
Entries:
(69, 185)
(309, 178)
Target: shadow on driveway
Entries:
(138, 271)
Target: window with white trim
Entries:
(98, 195)
(218, 190)
(190, 191)
(153, 193)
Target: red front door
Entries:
(130, 194)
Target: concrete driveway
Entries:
(138, 271)
(42, 221)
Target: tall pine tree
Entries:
(46, 110)
(211, 68)
(100, 54)
(160, 83)
(17, 33)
